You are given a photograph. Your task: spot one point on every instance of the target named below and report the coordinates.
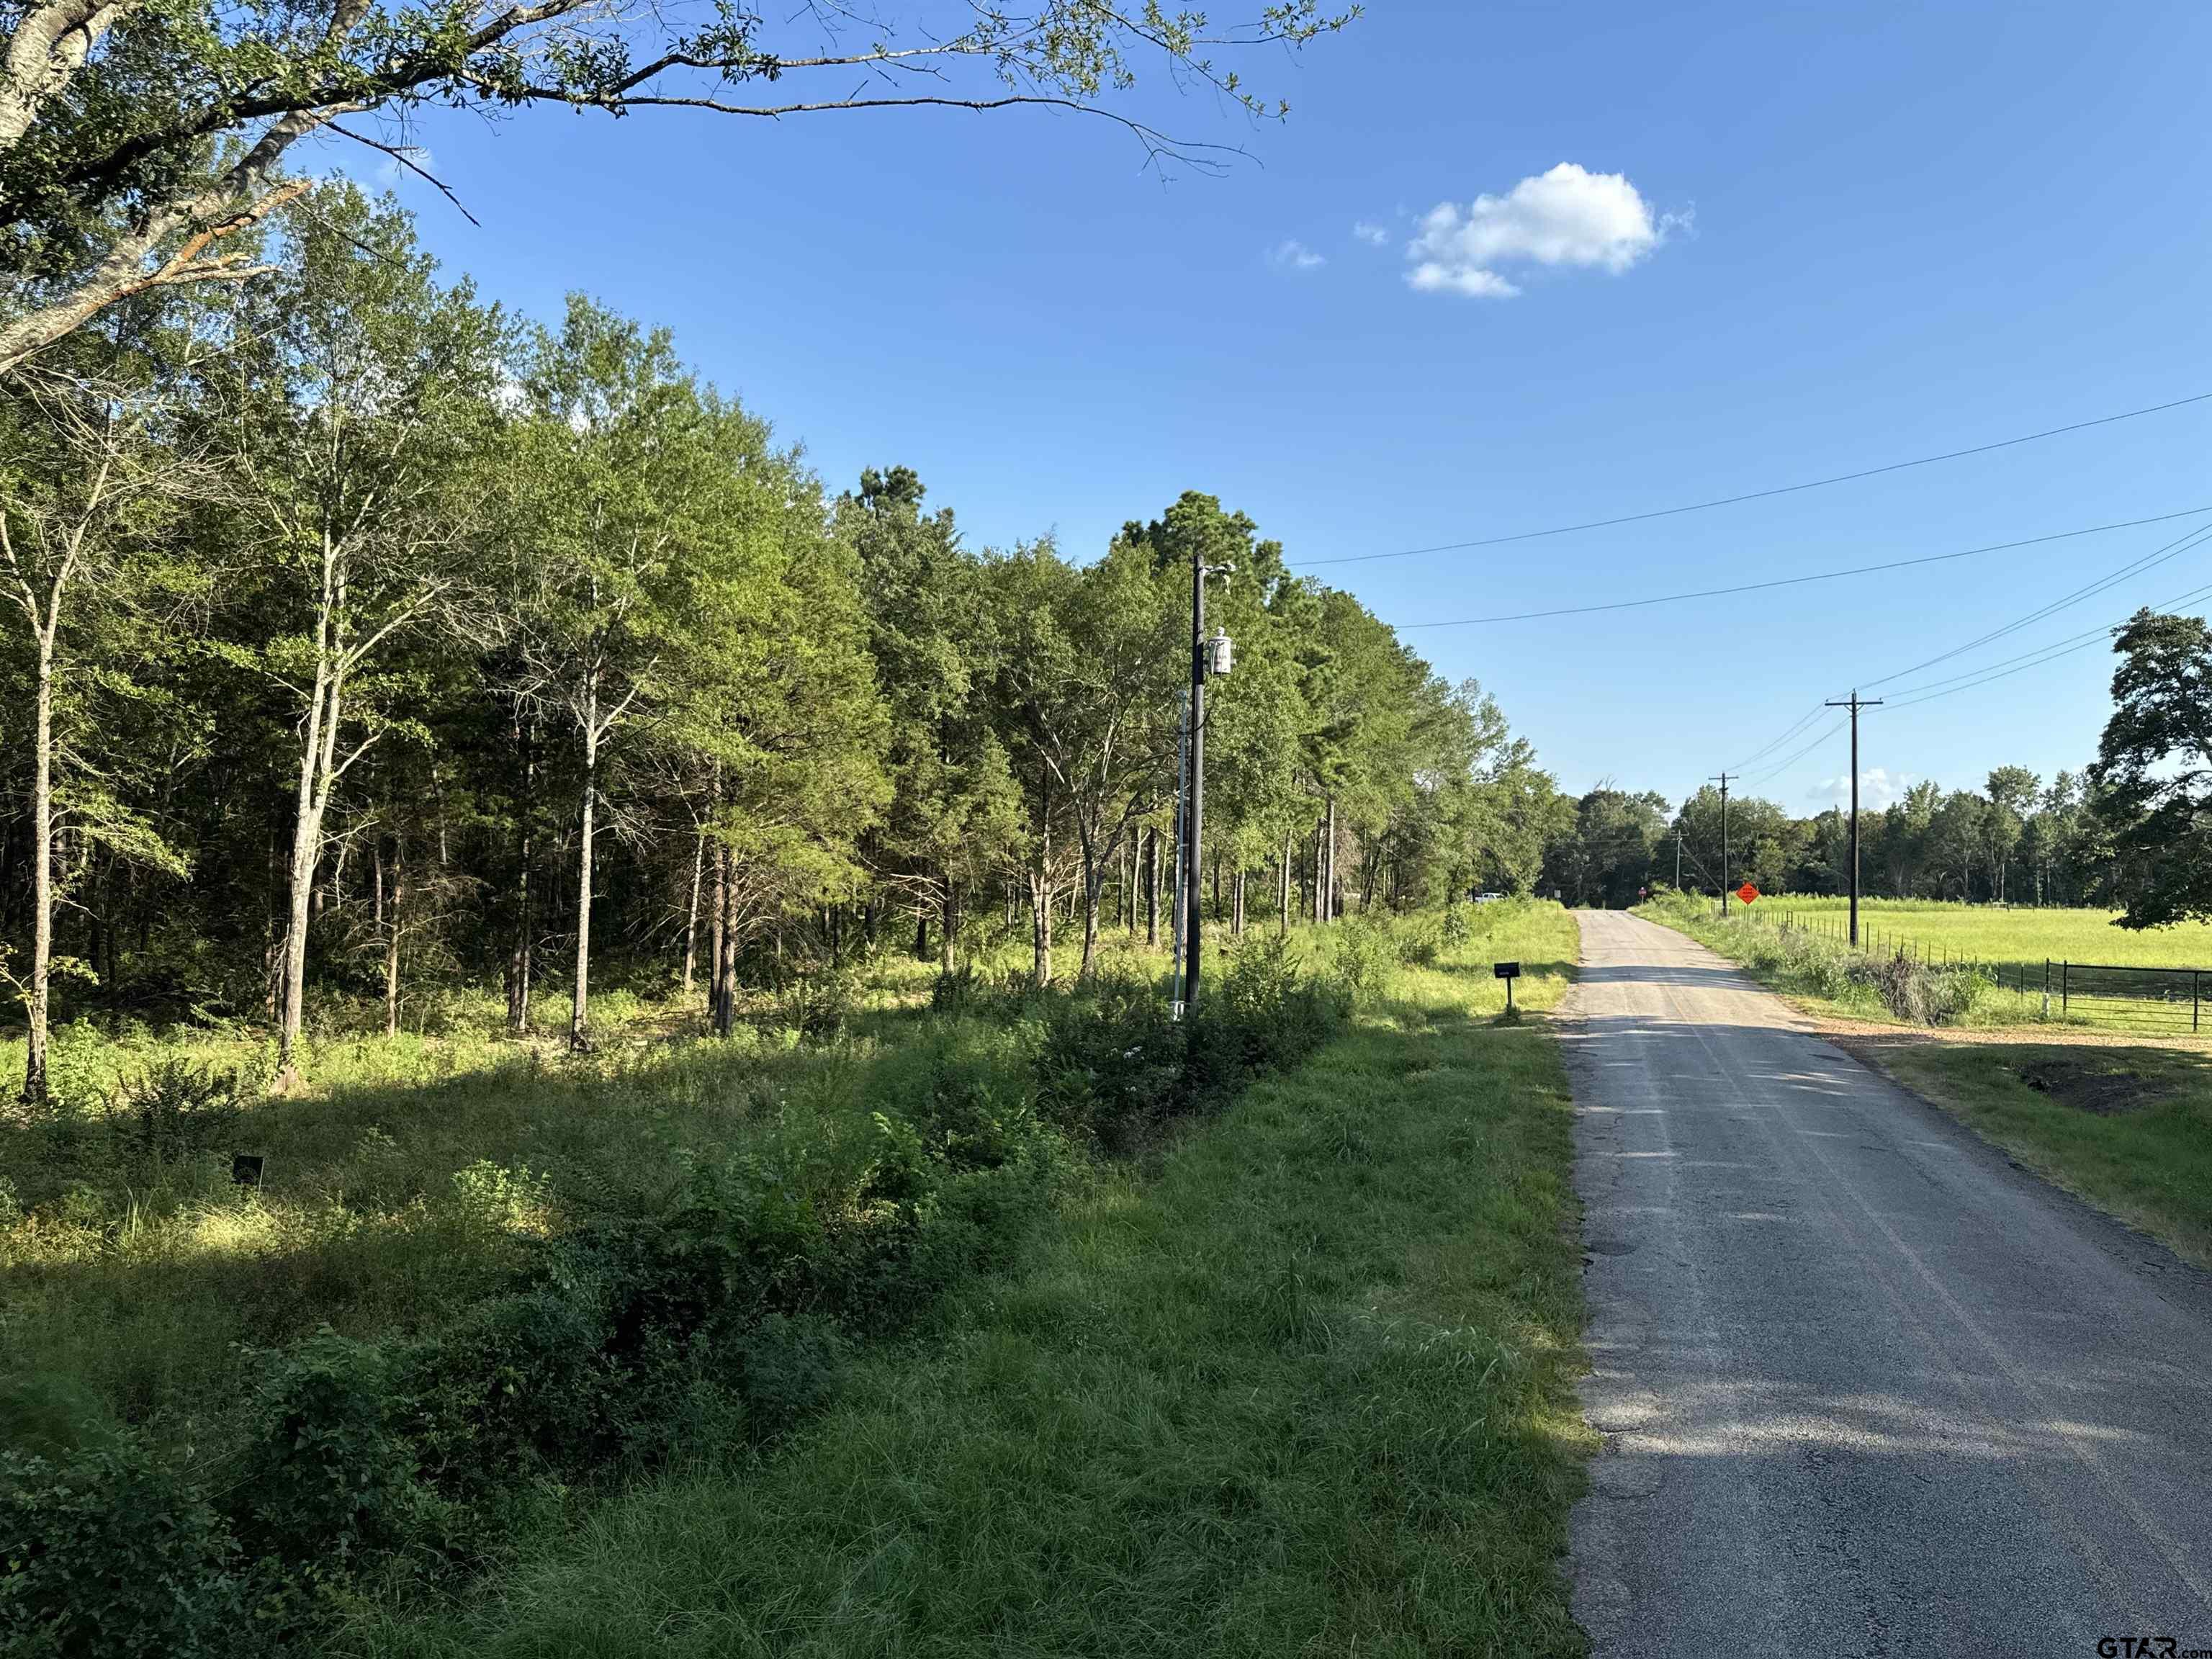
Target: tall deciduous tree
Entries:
(359, 387)
(932, 636)
(1091, 664)
(91, 469)
(2154, 767)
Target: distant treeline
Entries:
(2018, 841)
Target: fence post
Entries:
(2196, 1003)
(2046, 988)
(2065, 986)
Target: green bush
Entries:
(1364, 955)
(522, 1382)
(793, 1364)
(108, 1552)
(675, 1290)
(328, 1475)
(1111, 1062)
(965, 1090)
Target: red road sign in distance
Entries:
(1747, 892)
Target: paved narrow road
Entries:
(1865, 1389)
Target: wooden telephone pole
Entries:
(1854, 702)
(1723, 780)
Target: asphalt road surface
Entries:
(1865, 1387)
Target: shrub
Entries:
(107, 1552)
(327, 1474)
(1364, 955)
(964, 1091)
(792, 1365)
(815, 1004)
(1279, 1015)
(170, 1113)
(521, 1381)
(1111, 1061)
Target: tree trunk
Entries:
(1332, 902)
(1315, 861)
(1041, 929)
(691, 914)
(725, 998)
(42, 876)
(579, 1038)
(1094, 883)
(308, 807)
(1237, 903)
(948, 926)
(921, 935)
(318, 772)
(1283, 885)
(1152, 888)
(520, 953)
(392, 925)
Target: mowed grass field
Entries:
(2020, 935)
(1300, 1384)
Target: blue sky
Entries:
(1866, 234)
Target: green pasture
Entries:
(2014, 936)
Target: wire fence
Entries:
(2171, 1000)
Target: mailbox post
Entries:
(1508, 971)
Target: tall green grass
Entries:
(483, 1284)
(1865, 983)
(1300, 1386)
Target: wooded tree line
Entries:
(2019, 839)
(367, 639)
(2132, 831)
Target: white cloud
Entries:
(1369, 232)
(1433, 276)
(1879, 787)
(1568, 217)
(1294, 255)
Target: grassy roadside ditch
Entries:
(2124, 1124)
(1299, 1383)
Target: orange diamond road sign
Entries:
(1747, 892)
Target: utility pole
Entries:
(1175, 911)
(1854, 703)
(1194, 818)
(1678, 852)
(1205, 656)
(1723, 778)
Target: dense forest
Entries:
(371, 641)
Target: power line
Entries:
(2158, 555)
(1795, 727)
(1816, 576)
(1784, 765)
(1755, 494)
(2052, 653)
